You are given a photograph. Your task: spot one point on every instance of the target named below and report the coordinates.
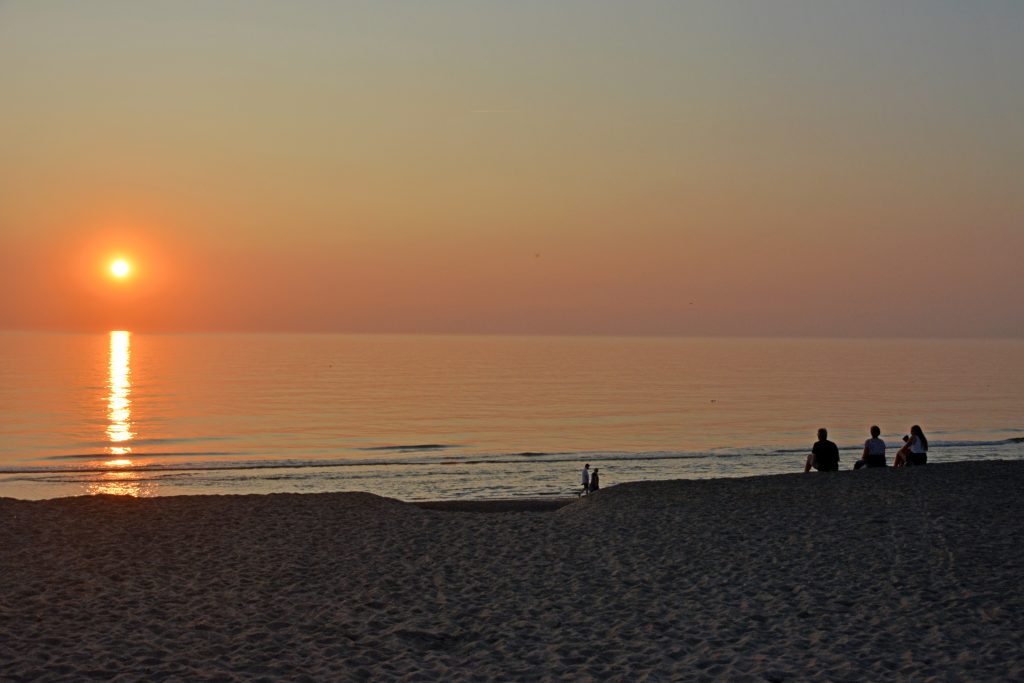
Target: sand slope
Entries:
(871, 575)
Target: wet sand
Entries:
(869, 575)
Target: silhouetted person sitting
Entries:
(914, 451)
(824, 455)
(874, 451)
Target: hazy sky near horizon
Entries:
(777, 167)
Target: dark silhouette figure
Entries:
(824, 455)
(914, 451)
(595, 481)
(874, 451)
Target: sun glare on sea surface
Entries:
(120, 268)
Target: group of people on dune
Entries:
(824, 455)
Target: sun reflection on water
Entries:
(119, 431)
(120, 462)
(120, 484)
(119, 422)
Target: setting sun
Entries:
(120, 268)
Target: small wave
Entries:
(409, 448)
(156, 441)
(556, 458)
(974, 444)
(162, 454)
(790, 451)
(66, 477)
(231, 466)
(933, 443)
(540, 454)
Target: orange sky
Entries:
(650, 168)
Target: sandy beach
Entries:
(869, 575)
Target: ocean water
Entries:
(431, 417)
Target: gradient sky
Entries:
(782, 167)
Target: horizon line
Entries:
(599, 335)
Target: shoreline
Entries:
(874, 574)
(429, 481)
(526, 503)
(530, 502)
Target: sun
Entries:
(120, 268)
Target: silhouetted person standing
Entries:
(586, 479)
(595, 481)
(824, 455)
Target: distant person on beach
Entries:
(914, 451)
(586, 479)
(874, 451)
(824, 455)
(595, 481)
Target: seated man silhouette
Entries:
(824, 455)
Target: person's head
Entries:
(875, 431)
(587, 466)
(822, 434)
(595, 470)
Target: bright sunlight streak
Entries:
(120, 268)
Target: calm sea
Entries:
(420, 417)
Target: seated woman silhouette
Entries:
(914, 451)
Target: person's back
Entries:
(875, 455)
(874, 452)
(595, 481)
(824, 455)
(874, 449)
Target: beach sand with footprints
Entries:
(869, 575)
